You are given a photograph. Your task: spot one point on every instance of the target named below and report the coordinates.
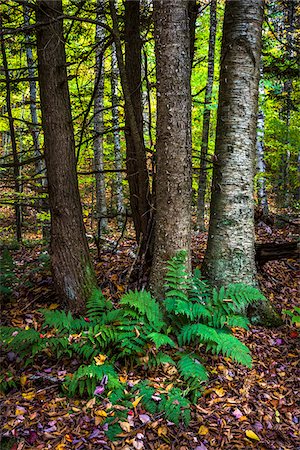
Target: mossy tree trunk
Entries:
(73, 274)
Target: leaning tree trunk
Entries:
(206, 117)
(73, 273)
(230, 255)
(101, 210)
(173, 137)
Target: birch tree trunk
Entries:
(206, 117)
(73, 274)
(116, 135)
(173, 136)
(101, 210)
(230, 252)
(260, 150)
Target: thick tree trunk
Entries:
(101, 210)
(230, 252)
(73, 273)
(173, 141)
(206, 117)
(116, 135)
(230, 255)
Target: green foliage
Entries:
(7, 382)
(142, 331)
(7, 276)
(294, 314)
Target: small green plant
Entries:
(193, 318)
(294, 314)
(7, 382)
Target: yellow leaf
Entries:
(100, 359)
(76, 409)
(220, 392)
(125, 426)
(28, 395)
(123, 379)
(51, 307)
(250, 434)
(101, 413)
(60, 447)
(162, 431)
(203, 430)
(137, 401)
(23, 380)
(20, 411)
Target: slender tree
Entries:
(260, 150)
(101, 210)
(206, 117)
(116, 134)
(173, 137)
(16, 166)
(73, 273)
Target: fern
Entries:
(176, 407)
(147, 307)
(97, 305)
(191, 370)
(230, 346)
(190, 332)
(160, 339)
(146, 392)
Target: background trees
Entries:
(119, 121)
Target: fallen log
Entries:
(272, 251)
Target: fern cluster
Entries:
(142, 331)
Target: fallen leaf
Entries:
(162, 431)
(250, 434)
(20, 411)
(91, 403)
(101, 413)
(28, 395)
(136, 401)
(203, 430)
(125, 426)
(100, 359)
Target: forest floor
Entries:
(239, 408)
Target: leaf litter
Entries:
(239, 408)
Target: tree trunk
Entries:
(101, 210)
(260, 151)
(173, 138)
(137, 173)
(206, 117)
(73, 273)
(192, 13)
(230, 255)
(16, 167)
(116, 135)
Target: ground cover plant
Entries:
(192, 317)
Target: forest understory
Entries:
(239, 408)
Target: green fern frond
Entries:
(146, 392)
(192, 370)
(160, 359)
(97, 305)
(176, 407)
(161, 339)
(198, 330)
(233, 348)
(146, 305)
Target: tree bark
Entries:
(230, 254)
(72, 270)
(206, 117)
(116, 135)
(260, 151)
(137, 173)
(101, 210)
(173, 136)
